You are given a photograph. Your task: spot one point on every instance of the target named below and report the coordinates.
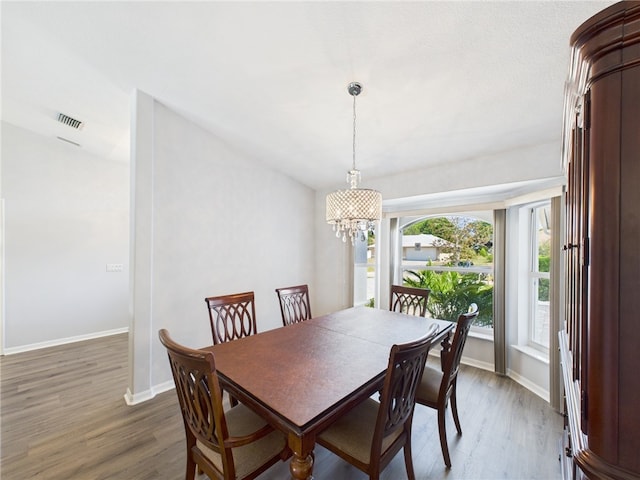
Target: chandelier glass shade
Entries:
(353, 212)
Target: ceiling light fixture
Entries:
(355, 211)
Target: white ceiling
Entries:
(443, 81)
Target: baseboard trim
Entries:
(64, 341)
(528, 384)
(472, 362)
(136, 398)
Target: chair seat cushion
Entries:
(353, 432)
(429, 386)
(243, 421)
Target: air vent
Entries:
(67, 120)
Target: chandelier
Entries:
(355, 211)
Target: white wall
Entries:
(208, 221)
(528, 163)
(333, 264)
(66, 217)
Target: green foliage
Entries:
(543, 263)
(483, 255)
(543, 289)
(482, 233)
(371, 303)
(441, 227)
(453, 292)
(371, 238)
(544, 248)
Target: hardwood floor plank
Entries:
(63, 417)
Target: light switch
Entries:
(114, 267)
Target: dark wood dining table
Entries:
(302, 377)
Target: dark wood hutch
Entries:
(600, 346)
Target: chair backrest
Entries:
(199, 394)
(232, 316)
(398, 397)
(451, 359)
(409, 300)
(294, 304)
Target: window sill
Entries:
(482, 335)
(532, 352)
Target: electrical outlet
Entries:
(114, 267)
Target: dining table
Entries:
(302, 377)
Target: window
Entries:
(364, 271)
(455, 262)
(539, 260)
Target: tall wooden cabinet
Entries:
(600, 346)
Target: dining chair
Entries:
(371, 434)
(236, 444)
(232, 316)
(409, 300)
(294, 304)
(438, 386)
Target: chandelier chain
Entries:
(354, 132)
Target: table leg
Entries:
(301, 466)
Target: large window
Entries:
(453, 257)
(539, 262)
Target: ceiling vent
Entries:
(72, 122)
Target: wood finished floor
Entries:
(63, 417)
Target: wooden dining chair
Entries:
(439, 385)
(371, 434)
(294, 304)
(236, 444)
(232, 316)
(409, 300)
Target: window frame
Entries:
(534, 275)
